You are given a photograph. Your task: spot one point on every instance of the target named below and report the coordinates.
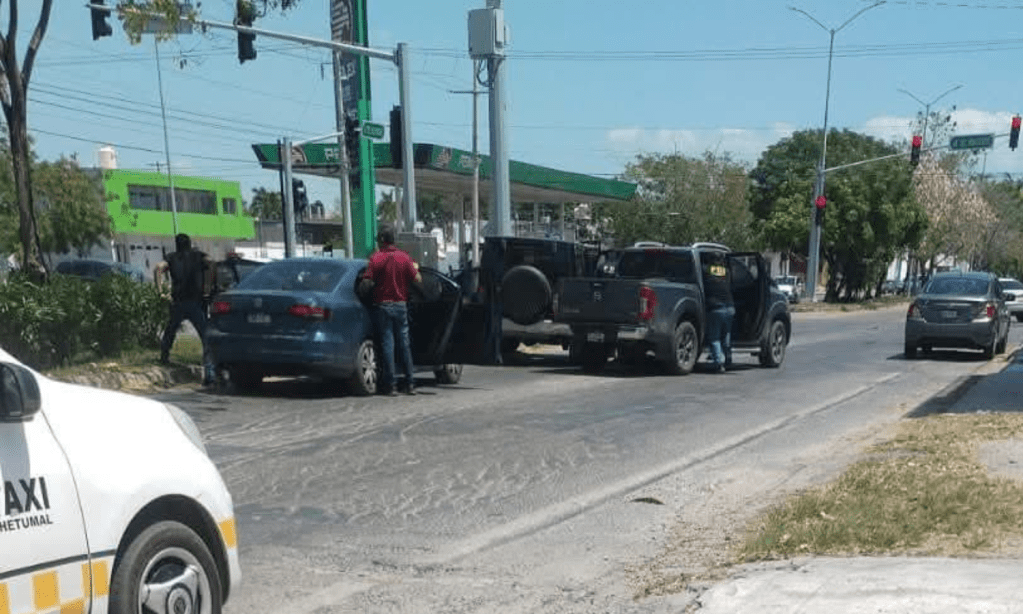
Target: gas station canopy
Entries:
(448, 171)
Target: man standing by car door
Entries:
(190, 272)
(392, 270)
(717, 296)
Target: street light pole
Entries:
(927, 106)
(815, 221)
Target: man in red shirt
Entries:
(392, 270)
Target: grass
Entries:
(187, 350)
(923, 492)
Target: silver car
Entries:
(959, 310)
(1015, 288)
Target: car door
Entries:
(45, 564)
(433, 311)
(751, 291)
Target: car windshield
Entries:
(961, 286)
(321, 276)
(1012, 284)
(657, 263)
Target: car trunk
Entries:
(951, 310)
(270, 312)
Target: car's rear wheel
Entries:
(772, 348)
(245, 378)
(364, 381)
(448, 374)
(685, 349)
(166, 569)
(909, 350)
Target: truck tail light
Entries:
(308, 312)
(219, 308)
(647, 303)
(991, 310)
(914, 311)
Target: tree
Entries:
(682, 199)
(72, 211)
(14, 81)
(870, 214)
(266, 204)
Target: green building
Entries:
(144, 219)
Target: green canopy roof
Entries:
(448, 171)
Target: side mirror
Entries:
(19, 393)
(1008, 297)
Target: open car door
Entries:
(434, 308)
(750, 290)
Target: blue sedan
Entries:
(301, 316)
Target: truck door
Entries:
(750, 291)
(45, 565)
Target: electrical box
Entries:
(486, 33)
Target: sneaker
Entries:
(719, 369)
(410, 391)
(389, 393)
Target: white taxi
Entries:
(109, 503)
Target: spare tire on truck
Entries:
(526, 294)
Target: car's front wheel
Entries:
(772, 348)
(448, 374)
(166, 569)
(364, 381)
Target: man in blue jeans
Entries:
(190, 272)
(717, 297)
(392, 270)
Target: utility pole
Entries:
(487, 39)
(475, 91)
(816, 209)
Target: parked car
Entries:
(111, 503)
(654, 303)
(790, 286)
(959, 310)
(93, 270)
(302, 316)
(1015, 288)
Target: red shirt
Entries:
(392, 270)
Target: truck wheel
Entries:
(594, 357)
(685, 349)
(772, 348)
(526, 294)
(448, 374)
(166, 568)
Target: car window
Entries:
(963, 286)
(296, 275)
(1011, 284)
(644, 264)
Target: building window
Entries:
(230, 206)
(144, 197)
(156, 198)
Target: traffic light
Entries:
(244, 14)
(353, 134)
(100, 27)
(914, 153)
(1014, 133)
(396, 149)
(299, 199)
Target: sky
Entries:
(591, 84)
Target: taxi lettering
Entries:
(24, 497)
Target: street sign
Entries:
(972, 141)
(373, 131)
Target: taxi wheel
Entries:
(364, 381)
(166, 569)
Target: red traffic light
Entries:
(918, 140)
(820, 202)
(1015, 122)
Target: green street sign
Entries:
(972, 141)
(373, 131)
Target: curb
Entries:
(141, 379)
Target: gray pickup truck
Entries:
(651, 300)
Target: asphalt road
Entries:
(453, 500)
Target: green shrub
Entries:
(68, 319)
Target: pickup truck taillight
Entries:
(647, 303)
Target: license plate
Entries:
(596, 337)
(259, 318)
(949, 314)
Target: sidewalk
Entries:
(858, 585)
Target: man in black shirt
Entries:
(190, 271)
(717, 296)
